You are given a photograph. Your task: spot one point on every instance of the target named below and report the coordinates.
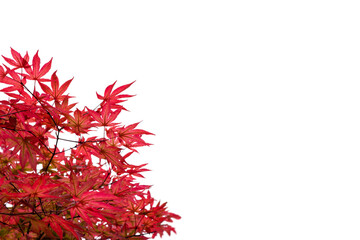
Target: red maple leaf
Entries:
(131, 137)
(55, 92)
(39, 188)
(15, 80)
(81, 122)
(34, 72)
(105, 117)
(57, 223)
(114, 97)
(18, 61)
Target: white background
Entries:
(255, 104)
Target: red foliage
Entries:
(87, 191)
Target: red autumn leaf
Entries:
(57, 222)
(55, 92)
(18, 61)
(2, 73)
(39, 188)
(114, 97)
(131, 137)
(64, 107)
(15, 80)
(81, 122)
(135, 170)
(111, 153)
(106, 117)
(35, 73)
(28, 151)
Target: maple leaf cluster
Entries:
(87, 191)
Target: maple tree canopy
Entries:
(87, 191)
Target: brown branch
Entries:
(53, 154)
